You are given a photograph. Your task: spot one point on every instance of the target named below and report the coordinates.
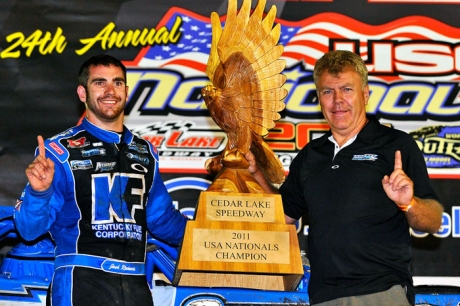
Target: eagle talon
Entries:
(234, 158)
(213, 165)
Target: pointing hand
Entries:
(398, 186)
(41, 171)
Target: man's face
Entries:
(106, 93)
(343, 101)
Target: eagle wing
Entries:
(245, 65)
(245, 68)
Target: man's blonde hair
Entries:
(338, 61)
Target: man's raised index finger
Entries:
(398, 161)
(41, 146)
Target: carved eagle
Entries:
(246, 94)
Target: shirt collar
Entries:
(369, 131)
(337, 148)
(106, 135)
(366, 134)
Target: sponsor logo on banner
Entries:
(440, 145)
(413, 78)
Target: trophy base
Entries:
(239, 240)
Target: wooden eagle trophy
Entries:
(246, 94)
(238, 237)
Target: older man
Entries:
(362, 186)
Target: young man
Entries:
(362, 186)
(97, 190)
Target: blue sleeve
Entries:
(164, 221)
(36, 211)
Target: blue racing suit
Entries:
(106, 194)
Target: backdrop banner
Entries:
(411, 49)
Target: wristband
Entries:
(407, 207)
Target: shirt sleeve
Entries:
(35, 211)
(164, 221)
(292, 191)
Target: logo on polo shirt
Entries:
(369, 157)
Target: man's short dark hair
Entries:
(98, 60)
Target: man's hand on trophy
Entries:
(258, 174)
(253, 166)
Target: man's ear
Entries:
(81, 91)
(366, 94)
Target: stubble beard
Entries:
(115, 113)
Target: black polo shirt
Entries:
(359, 241)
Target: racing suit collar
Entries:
(106, 135)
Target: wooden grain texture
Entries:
(250, 281)
(284, 276)
(246, 92)
(238, 237)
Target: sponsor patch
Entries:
(77, 143)
(93, 152)
(142, 160)
(141, 149)
(105, 166)
(56, 148)
(366, 157)
(63, 134)
(81, 164)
